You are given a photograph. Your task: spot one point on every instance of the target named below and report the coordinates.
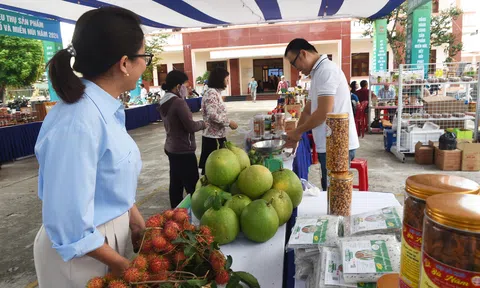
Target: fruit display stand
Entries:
(317, 206)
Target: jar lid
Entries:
(424, 185)
(341, 175)
(455, 210)
(388, 281)
(337, 115)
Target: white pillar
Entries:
(155, 76)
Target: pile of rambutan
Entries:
(176, 253)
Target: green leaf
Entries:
(226, 195)
(191, 236)
(189, 251)
(248, 279)
(209, 202)
(197, 282)
(233, 282)
(217, 202)
(213, 284)
(180, 240)
(229, 262)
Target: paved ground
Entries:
(20, 209)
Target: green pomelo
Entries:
(242, 156)
(222, 167)
(200, 196)
(286, 180)
(223, 223)
(254, 181)
(237, 203)
(282, 204)
(203, 181)
(259, 221)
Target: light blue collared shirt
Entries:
(88, 173)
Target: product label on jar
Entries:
(411, 257)
(438, 275)
(366, 257)
(309, 231)
(386, 218)
(328, 130)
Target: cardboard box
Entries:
(448, 160)
(470, 156)
(423, 154)
(443, 104)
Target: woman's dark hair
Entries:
(101, 38)
(216, 79)
(353, 86)
(299, 44)
(174, 78)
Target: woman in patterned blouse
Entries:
(214, 113)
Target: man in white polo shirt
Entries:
(329, 92)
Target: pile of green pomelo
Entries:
(235, 196)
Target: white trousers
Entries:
(254, 95)
(53, 272)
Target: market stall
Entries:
(18, 141)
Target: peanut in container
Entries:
(337, 142)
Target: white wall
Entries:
(246, 72)
(171, 58)
(329, 48)
(200, 63)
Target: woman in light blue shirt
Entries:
(89, 165)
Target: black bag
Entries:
(448, 141)
(375, 123)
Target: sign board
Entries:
(25, 26)
(379, 58)
(418, 35)
(414, 4)
(49, 49)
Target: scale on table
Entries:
(267, 148)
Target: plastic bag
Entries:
(305, 260)
(313, 231)
(387, 220)
(447, 141)
(310, 188)
(367, 258)
(329, 269)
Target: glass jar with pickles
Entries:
(417, 189)
(451, 242)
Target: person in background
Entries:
(386, 92)
(214, 113)
(143, 93)
(89, 164)
(328, 93)
(180, 144)
(363, 92)
(252, 87)
(354, 87)
(282, 85)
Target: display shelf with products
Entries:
(444, 94)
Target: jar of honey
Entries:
(388, 281)
(417, 189)
(451, 242)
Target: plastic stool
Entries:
(361, 166)
(314, 151)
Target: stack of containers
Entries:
(340, 180)
(420, 188)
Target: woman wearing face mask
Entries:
(180, 144)
(214, 113)
(89, 165)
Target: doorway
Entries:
(162, 73)
(267, 72)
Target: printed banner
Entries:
(418, 35)
(25, 26)
(49, 49)
(379, 58)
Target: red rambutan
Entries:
(168, 214)
(117, 284)
(180, 216)
(158, 264)
(159, 243)
(132, 274)
(109, 277)
(96, 282)
(147, 246)
(179, 257)
(217, 260)
(140, 262)
(205, 230)
(222, 277)
(161, 276)
(155, 221)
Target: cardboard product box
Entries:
(423, 154)
(443, 104)
(470, 156)
(433, 144)
(448, 160)
(290, 125)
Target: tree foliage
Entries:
(154, 45)
(440, 31)
(21, 62)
